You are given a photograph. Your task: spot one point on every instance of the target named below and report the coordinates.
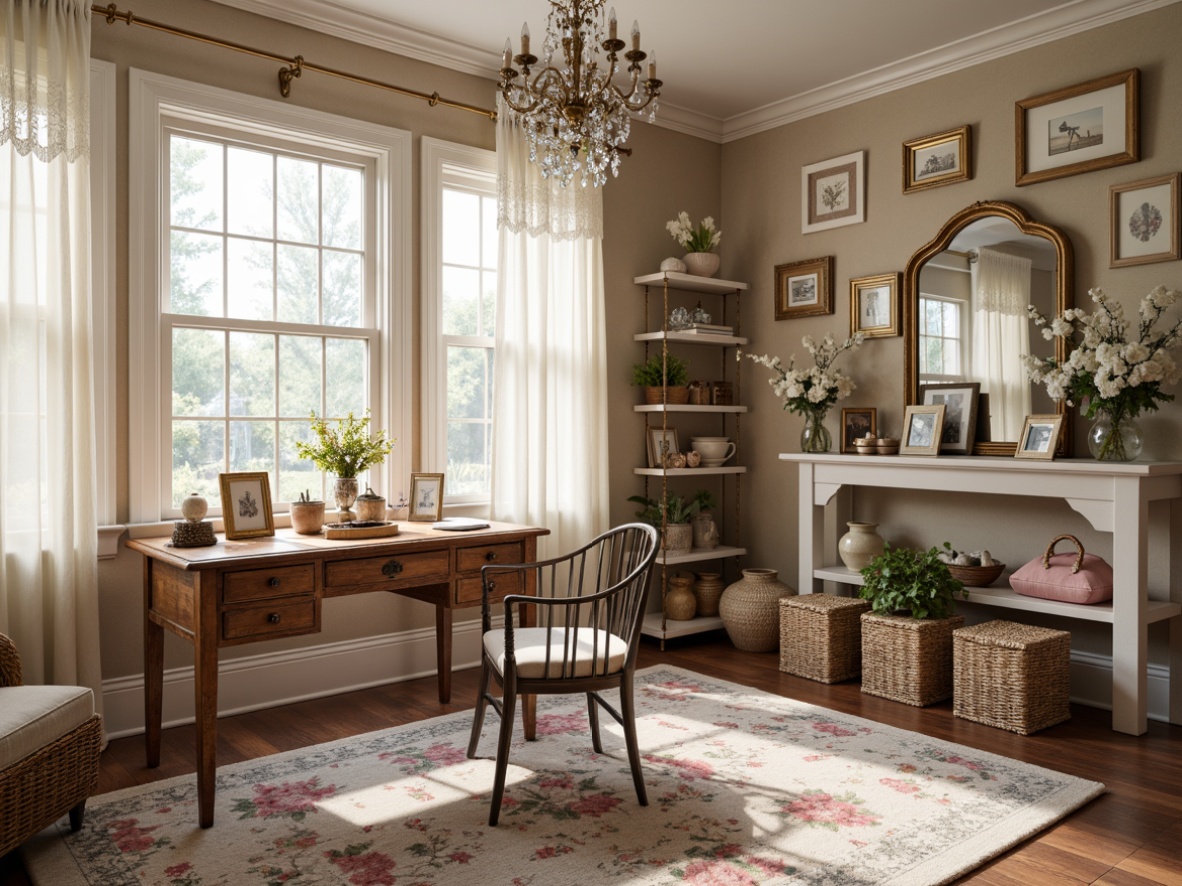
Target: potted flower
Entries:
(907, 635)
(698, 241)
(673, 516)
(345, 451)
(664, 377)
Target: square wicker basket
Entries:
(1012, 676)
(821, 636)
(908, 659)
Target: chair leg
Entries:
(76, 814)
(628, 714)
(593, 720)
(481, 706)
(508, 710)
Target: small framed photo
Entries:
(1078, 129)
(922, 426)
(856, 424)
(246, 505)
(1144, 219)
(804, 288)
(661, 442)
(874, 305)
(1040, 436)
(426, 498)
(940, 159)
(833, 193)
(959, 400)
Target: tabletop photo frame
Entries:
(426, 498)
(661, 442)
(833, 193)
(804, 288)
(1144, 221)
(959, 400)
(1040, 436)
(856, 423)
(246, 505)
(922, 427)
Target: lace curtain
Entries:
(48, 524)
(1001, 334)
(550, 441)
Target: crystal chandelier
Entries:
(576, 118)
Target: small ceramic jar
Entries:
(371, 507)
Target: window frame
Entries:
(961, 339)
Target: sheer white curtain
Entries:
(550, 441)
(1001, 335)
(48, 526)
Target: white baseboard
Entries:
(1091, 685)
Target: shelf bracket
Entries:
(823, 492)
(1098, 513)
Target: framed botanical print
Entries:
(804, 288)
(1144, 220)
(959, 400)
(246, 504)
(940, 159)
(874, 305)
(833, 193)
(922, 426)
(426, 497)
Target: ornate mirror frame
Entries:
(1064, 287)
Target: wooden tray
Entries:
(359, 530)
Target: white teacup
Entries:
(715, 449)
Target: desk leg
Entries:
(443, 650)
(153, 674)
(205, 669)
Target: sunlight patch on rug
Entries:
(744, 788)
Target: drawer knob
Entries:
(492, 585)
(490, 556)
(391, 568)
(274, 582)
(273, 618)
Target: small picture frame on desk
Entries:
(246, 505)
(856, 424)
(426, 498)
(922, 426)
(1040, 436)
(959, 400)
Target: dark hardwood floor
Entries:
(1131, 836)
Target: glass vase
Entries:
(814, 437)
(1114, 438)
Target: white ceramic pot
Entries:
(860, 545)
(702, 264)
(194, 508)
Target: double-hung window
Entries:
(941, 338)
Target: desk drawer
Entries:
(278, 619)
(471, 559)
(468, 589)
(263, 584)
(394, 571)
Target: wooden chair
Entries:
(589, 608)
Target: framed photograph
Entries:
(833, 193)
(1144, 219)
(959, 400)
(940, 159)
(661, 442)
(874, 305)
(246, 505)
(1078, 129)
(426, 498)
(804, 288)
(1040, 436)
(857, 423)
(922, 427)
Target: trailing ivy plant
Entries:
(916, 582)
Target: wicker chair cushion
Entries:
(530, 644)
(33, 716)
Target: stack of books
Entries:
(709, 329)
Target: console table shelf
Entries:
(1113, 497)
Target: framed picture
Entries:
(426, 498)
(959, 400)
(857, 423)
(1144, 219)
(833, 193)
(874, 305)
(940, 159)
(661, 442)
(922, 426)
(804, 288)
(1040, 436)
(1078, 129)
(246, 504)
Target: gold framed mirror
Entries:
(964, 315)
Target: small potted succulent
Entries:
(664, 378)
(674, 516)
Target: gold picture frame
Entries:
(856, 423)
(874, 305)
(922, 428)
(1040, 436)
(246, 504)
(833, 193)
(1098, 119)
(804, 288)
(940, 159)
(1144, 221)
(426, 498)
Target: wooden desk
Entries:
(239, 592)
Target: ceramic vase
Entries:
(1114, 440)
(705, 531)
(344, 492)
(680, 603)
(708, 590)
(750, 610)
(860, 545)
(702, 264)
(194, 508)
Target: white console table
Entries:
(1113, 497)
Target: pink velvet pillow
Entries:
(1069, 578)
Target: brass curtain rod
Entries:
(295, 66)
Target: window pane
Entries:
(342, 207)
(252, 374)
(488, 307)
(198, 456)
(461, 301)
(198, 372)
(297, 284)
(932, 356)
(931, 316)
(342, 289)
(299, 200)
(297, 474)
(250, 189)
(488, 231)
(195, 184)
(250, 278)
(951, 356)
(467, 458)
(461, 228)
(299, 375)
(195, 274)
(345, 364)
(466, 382)
(951, 318)
(252, 447)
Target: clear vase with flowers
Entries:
(1119, 375)
(698, 241)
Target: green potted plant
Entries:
(345, 451)
(665, 379)
(907, 635)
(674, 516)
(705, 529)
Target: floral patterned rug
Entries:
(744, 788)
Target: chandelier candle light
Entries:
(576, 117)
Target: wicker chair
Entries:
(590, 606)
(50, 738)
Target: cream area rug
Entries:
(744, 788)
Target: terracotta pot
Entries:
(307, 517)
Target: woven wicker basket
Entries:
(821, 637)
(1011, 676)
(976, 576)
(907, 659)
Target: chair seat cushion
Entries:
(33, 716)
(530, 645)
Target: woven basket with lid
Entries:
(908, 659)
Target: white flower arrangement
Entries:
(703, 238)
(816, 388)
